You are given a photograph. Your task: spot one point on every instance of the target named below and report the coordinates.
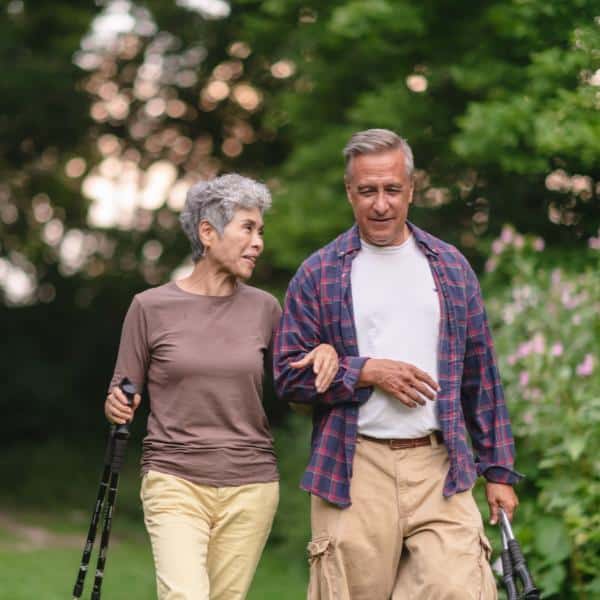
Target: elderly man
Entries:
(391, 470)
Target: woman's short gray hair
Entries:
(372, 141)
(216, 201)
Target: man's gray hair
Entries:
(216, 201)
(372, 141)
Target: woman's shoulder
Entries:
(155, 295)
(258, 296)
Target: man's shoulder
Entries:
(328, 254)
(449, 254)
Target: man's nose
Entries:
(380, 203)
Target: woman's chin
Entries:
(244, 273)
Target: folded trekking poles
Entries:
(113, 461)
(514, 566)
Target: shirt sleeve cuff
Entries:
(353, 366)
(500, 474)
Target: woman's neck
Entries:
(208, 280)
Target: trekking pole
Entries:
(518, 564)
(91, 537)
(113, 461)
(507, 569)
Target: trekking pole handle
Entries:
(505, 525)
(129, 389)
(519, 566)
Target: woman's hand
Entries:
(117, 409)
(324, 360)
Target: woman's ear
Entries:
(206, 233)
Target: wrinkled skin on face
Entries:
(380, 192)
(236, 251)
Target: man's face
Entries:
(380, 190)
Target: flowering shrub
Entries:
(547, 329)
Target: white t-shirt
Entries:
(397, 316)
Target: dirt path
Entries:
(30, 537)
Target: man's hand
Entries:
(117, 409)
(500, 495)
(324, 360)
(404, 381)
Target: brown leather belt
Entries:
(403, 444)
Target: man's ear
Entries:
(411, 191)
(347, 188)
(206, 233)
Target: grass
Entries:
(50, 573)
(45, 513)
(46, 508)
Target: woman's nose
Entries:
(258, 242)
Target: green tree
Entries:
(499, 100)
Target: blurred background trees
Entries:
(110, 110)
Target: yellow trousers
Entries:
(206, 541)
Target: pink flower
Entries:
(557, 349)
(556, 277)
(535, 394)
(523, 378)
(497, 246)
(539, 244)
(538, 344)
(528, 418)
(512, 359)
(524, 349)
(586, 367)
(519, 241)
(490, 265)
(507, 234)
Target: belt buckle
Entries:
(396, 444)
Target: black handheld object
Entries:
(514, 566)
(114, 457)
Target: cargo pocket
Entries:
(488, 589)
(323, 577)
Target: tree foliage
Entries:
(100, 136)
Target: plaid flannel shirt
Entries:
(318, 309)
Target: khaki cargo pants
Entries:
(400, 539)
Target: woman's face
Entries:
(238, 249)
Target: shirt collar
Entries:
(349, 241)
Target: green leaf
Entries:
(575, 446)
(552, 541)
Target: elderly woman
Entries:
(200, 345)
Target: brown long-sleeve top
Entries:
(202, 359)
